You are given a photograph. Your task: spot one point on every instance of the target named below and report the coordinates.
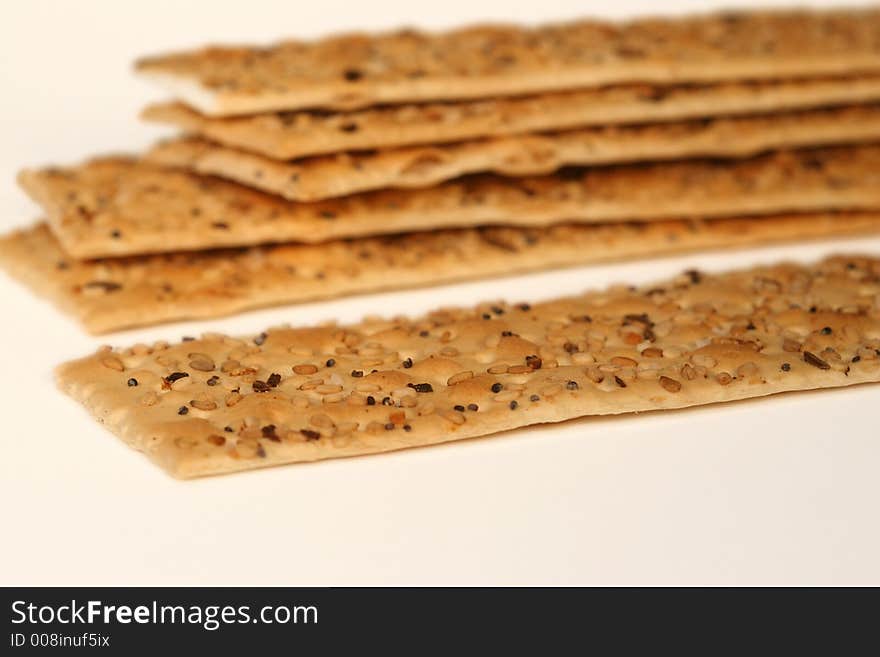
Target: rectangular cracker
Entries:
(116, 206)
(330, 176)
(293, 135)
(357, 70)
(117, 293)
(220, 404)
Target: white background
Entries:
(776, 491)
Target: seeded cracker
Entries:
(116, 206)
(117, 293)
(357, 70)
(292, 135)
(220, 404)
(421, 166)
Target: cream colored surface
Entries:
(776, 491)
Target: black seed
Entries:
(620, 382)
(486, 316)
(423, 334)
(260, 386)
(534, 398)
(260, 339)
(406, 427)
(174, 376)
(269, 432)
(187, 338)
(348, 127)
(786, 367)
(497, 310)
(813, 309)
(473, 407)
(371, 401)
(421, 387)
(534, 362)
(570, 347)
(459, 408)
(572, 385)
(507, 334)
(524, 307)
(274, 379)
(694, 275)
(357, 373)
(856, 359)
(513, 405)
(115, 234)
(309, 434)
(496, 387)
(386, 401)
(330, 362)
(826, 330)
(132, 383)
(183, 410)
(352, 75)
(408, 363)
(214, 380)
(750, 326)
(228, 429)
(389, 426)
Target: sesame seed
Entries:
(815, 361)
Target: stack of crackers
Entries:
(366, 162)
(363, 162)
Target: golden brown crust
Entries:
(330, 176)
(357, 70)
(220, 404)
(117, 293)
(113, 207)
(293, 135)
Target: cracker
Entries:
(219, 404)
(112, 207)
(331, 176)
(293, 135)
(357, 70)
(117, 293)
